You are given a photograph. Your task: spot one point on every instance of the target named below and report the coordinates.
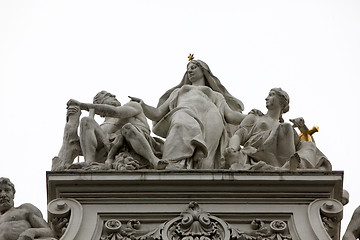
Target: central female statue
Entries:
(194, 117)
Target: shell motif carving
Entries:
(195, 224)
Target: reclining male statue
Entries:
(20, 223)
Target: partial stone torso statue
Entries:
(20, 223)
(353, 229)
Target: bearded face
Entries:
(6, 197)
(111, 100)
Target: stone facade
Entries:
(195, 205)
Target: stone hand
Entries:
(256, 112)
(72, 109)
(73, 102)
(27, 235)
(135, 99)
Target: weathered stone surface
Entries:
(203, 128)
(266, 142)
(195, 117)
(20, 223)
(353, 229)
(223, 204)
(124, 128)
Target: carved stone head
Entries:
(284, 99)
(104, 97)
(7, 193)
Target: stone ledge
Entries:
(233, 199)
(219, 184)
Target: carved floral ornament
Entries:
(195, 224)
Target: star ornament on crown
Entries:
(191, 57)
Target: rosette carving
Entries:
(133, 230)
(276, 230)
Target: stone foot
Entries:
(161, 164)
(198, 155)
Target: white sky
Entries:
(51, 51)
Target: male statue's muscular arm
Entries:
(39, 227)
(105, 110)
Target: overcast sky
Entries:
(51, 51)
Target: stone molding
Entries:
(235, 205)
(65, 217)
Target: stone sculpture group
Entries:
(198, 125)
(201, 126)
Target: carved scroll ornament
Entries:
(195, 224)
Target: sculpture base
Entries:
(197, 204)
